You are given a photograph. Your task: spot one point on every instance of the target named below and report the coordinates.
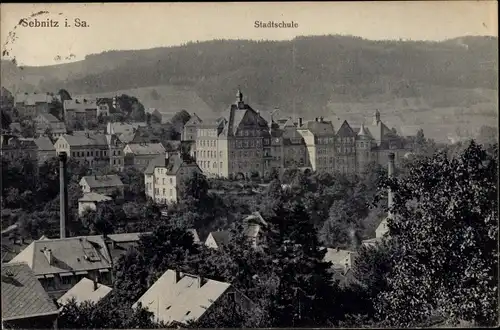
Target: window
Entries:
(163, 180)
(170, 192)
(66, 280)
(220, 165)
(171, 181)
(215, 165)
(220, 153)
(164, 191)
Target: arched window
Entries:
(215, 165)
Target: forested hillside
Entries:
(312, 75)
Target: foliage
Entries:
(445, 231)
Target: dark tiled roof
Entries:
(155, 162)
(320, 128)
(78, 139)
(44, 144)
(146, 148)
(22, 294)
(49, 117)
(69, 254)
(345, 130)
(33, 98)
(173, 164)
(101, 181)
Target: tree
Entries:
(445, 231)
(6, 120)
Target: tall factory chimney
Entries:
(63, 192)
(390, 172)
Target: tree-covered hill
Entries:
(306, 74)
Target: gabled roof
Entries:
(80, 104)
(43, 143)
(102, 181)
(319, 128)
(183, 300)
(84, 291)
(94, 197)
(172, 164)
(22, 294)
(220, 237)
(120, 128)
(33, 98)
(49, 117)
(194, 120)
(69, 255)
(339, 258)
(81, 139)
(193, 232)
(345, 130)
(146, 148)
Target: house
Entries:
(45, 149)
(138, 155)
(13, 147)
(118, 244)
(32, 104)
(85, 290)
(61, 263)
(25, 304)
(47, 122)
(102, 184)
(90, 201)
(165, 177)
(216, 239)
(97, 150)
(80, 112)
(15, 127)
(124, 131)
(196, 238)
(190, 128)
(154, 114)
(340, 259)
(177, 298)
(253, 225)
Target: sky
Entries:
(124, 26)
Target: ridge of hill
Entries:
(314, 75)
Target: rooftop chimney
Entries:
(178, 276)
(316, 119)
(321, 119)
(390, 171)
(63, 193)
(300, 121)
(95, 284)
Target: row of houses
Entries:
(242, 142)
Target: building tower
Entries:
(363, 148)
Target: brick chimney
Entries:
(63, 193)
(96, 285)
(300, 121)
(390, 172)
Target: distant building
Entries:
(165, 177)
(25, 304)
(97, 150)
(253, 225)
(6, 98)
(232, 145)
(32, 104)
(217, 239)
(85, 291)
(138, 155)
(340, 259)
(190, 128)
(124, 131)
(188, 298)
(91, 201)
(61, 263)
(45, 149)
(46, 121)
(82, 112)
(102, 184)
(13, 147)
